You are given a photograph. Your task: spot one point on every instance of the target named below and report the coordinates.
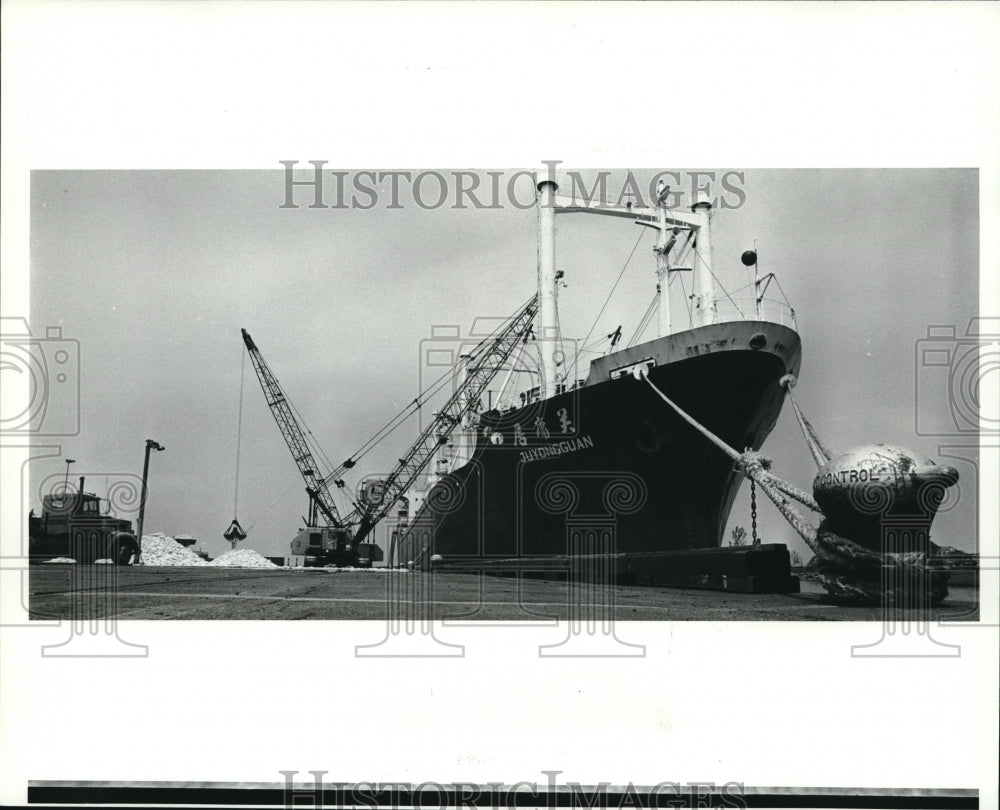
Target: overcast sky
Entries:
(155, 272)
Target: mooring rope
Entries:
(750, 462)
(755, 466)
(848, 570)
(819, 452)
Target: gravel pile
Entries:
(158, 549)
(242, 558)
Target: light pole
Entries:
(65, 488)
(150, 445)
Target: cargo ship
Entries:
(599, 463)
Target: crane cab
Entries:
(325, 545)
(316, 541)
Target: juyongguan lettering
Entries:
(557, 448)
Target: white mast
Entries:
(662, 251)
(703, 279)
(547, 333)
(667, 224)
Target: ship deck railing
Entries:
(726, 310)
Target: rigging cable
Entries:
(682, 256)
(687, 301)
(716, 279)
(273, 503)
(583, 345)
(613, 288)
(396, 421)
(644, 322)
(311, 441)
(431, 390)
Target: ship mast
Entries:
(666, 222)
(703, 278)
(547, 334)
(662, 250)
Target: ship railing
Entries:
(771, 310)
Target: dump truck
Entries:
(71, 525)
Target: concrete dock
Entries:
(146, 592)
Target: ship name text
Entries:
(557, 448)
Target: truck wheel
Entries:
(123, 552)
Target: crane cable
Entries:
(424, 396)
(395, 422)
(235, 533)
(239, 437)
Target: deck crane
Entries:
(482, 364)
(340, 541)
(333, 540)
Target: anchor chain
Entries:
(753, 511)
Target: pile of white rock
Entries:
(159, 549)
(242, 558)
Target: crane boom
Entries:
(484, 362)
(316, 486)
(343, 541)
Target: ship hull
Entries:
(610, 455)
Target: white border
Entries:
(226, 85)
